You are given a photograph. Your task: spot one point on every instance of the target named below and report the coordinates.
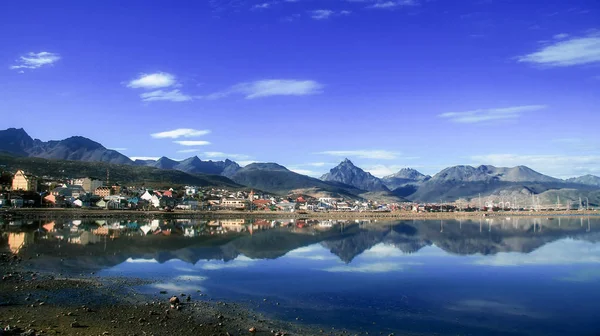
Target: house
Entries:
(103, 191)
(233, 203)
(286, 206)
(87, 183)
(24, 181)
(191, 191)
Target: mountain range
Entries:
(345, 180)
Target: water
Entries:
(521, 276)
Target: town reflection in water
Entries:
(492, 276)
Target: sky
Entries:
(388, 84)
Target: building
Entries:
(25, 182)
(88, 184)
(234, 203)
(103, 191)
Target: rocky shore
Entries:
(33, 303)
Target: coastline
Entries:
(34, 303)
(56, 213)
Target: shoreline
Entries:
(57, 213)
(36, 303)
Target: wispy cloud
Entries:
(159, 80)
(192, 142)
(304, 171)
(213, 155)
(566, 52)
(180, 133)
(271, 87)
(393, 4)
(173, 95)
(321, 14)
(563, 252)
(379, 154)
(481, 115)
(34, 60)
(376, 267)
(144, 158)
(152, 81)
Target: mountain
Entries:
(467, 182)
(163, 163)
(194, 165)
(275, 178)
(77, 148)
(487, 173)
(404, 177)
(591, 180)
(129, 174)
(346, 172)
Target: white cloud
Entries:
(563, 252)
(239, 262)
(137, 261)
(377, 267)
(246, 162)
(263, 5)
(481, 115)
(560, 36)
(144, 158)
(271, 87)
(378, 154)
(567, 52)
(173, 95)
(180, 133)
(36, 60)
(192, 142)
(193, 150)
(225, 155)
(153, 81)
(305, 172)
(321, 14)
(393, 4)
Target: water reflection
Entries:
(484, 276)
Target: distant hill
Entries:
(346, 172)
(404, 177)
(194, 165)
(118, 173)
(275, 178)
(591, 180)
(468, 182)
(18, 142)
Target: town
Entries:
(23, 190)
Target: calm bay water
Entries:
(518, 276)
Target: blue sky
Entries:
(389, 84)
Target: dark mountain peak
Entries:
(15, 140)
(164, 163)
(79, 142)
(265, 166)
(346, 172)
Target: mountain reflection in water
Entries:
(489, 276)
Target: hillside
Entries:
(275, 178)
(118, 173)
(18, 142)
